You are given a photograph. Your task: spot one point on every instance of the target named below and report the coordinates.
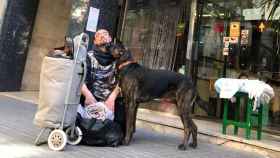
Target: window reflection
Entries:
(256, 53)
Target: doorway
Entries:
(155, 32)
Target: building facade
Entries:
(30, 29)
(179, 35)
(192, 36)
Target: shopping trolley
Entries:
(60, 90)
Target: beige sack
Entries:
(54, 81)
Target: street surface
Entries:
(17, 134)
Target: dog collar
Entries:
(125, 63)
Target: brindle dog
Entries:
(139, 84)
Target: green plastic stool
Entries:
(247, 124)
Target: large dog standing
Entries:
(140, 84)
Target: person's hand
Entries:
(110, 102)
(89, 99)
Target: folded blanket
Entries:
(257, 90)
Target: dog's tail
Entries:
(201, 103)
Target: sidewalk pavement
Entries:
(167, 123)
(17, 134)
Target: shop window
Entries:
(253, 49)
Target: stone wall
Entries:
(50, 27)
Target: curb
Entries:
(202, 137)
(18, 98)
(172, 121)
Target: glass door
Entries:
(154, 31)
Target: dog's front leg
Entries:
(135, 118)
(130, 90)
(131, 108)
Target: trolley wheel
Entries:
(77, 135)
(57, 140)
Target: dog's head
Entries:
(121, 53)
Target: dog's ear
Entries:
(120, 43)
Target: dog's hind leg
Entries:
(194, 134)
(184, 100)
(187, 132)
(192, 126)
(135, 118)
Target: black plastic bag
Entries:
(100, 133)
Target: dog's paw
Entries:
(125, 142)
(193, 145)
(115, 144)
(182, 147)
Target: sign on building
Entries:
(233, 40)
(92, 19)
(226, 41)
(244, 37)
(252, 14)
(234, 29)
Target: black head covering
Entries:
(103, 58)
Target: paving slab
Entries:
(17, 134)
